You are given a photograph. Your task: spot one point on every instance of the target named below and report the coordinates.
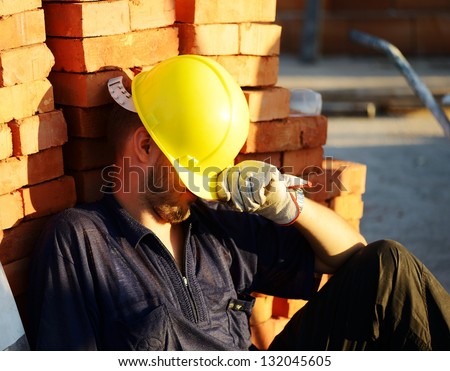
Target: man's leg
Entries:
(382, 298)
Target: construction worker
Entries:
(168, 258)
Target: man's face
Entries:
(165, 193)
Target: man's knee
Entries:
(384, 246)
(385, 260)
(395, 266)
(388, 252)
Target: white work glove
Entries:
(256, 186)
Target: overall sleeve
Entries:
(61, 303)
(285, 262)
(267, 258)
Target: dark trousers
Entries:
(383, 298)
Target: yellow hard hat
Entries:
(197, 114)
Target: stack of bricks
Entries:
(239, 35)
(340, 186)
(32, 181)
(93, 41)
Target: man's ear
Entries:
(141, 144)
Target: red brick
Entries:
(349, 206)
(17, 172)
(151, 14)
(18, 242)
(17, 274)
(39, 132)
(83, 89)
(346, 176)
(88, 184)
(209, 39)
(298, 131)
(8, 7)
(86, 154)
(318, 190)
(25, 64)
(272, 136)
(230, 39)
(25, 100)
(87, 19)
(287, 307)
(268, 103)
(5, 142)
(139, 48)
(11, 210)
(49, 197)
(262, 309)
(22, 29)
(336, 178)
(271, 158)
(13, 174)
(313, 129)
(259, 39)
(218, 11)
(300, 161)
(45, 165)
(87, 122)
(250, 70)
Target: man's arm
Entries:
(59, 315)
(255, 186)
(331, 237)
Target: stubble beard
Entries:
(166, 202)
(172, 214)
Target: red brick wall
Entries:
(32, 180)
(416, 27)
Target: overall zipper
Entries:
(191, 298)
(183, 278)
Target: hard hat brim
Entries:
(203, 185)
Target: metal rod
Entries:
(405, 68)
(310, 41)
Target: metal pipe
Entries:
(310, 41)
(405, 68)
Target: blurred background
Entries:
(374, 115)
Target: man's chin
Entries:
(173, 214)
(181, 218)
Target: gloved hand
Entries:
(256, 186)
